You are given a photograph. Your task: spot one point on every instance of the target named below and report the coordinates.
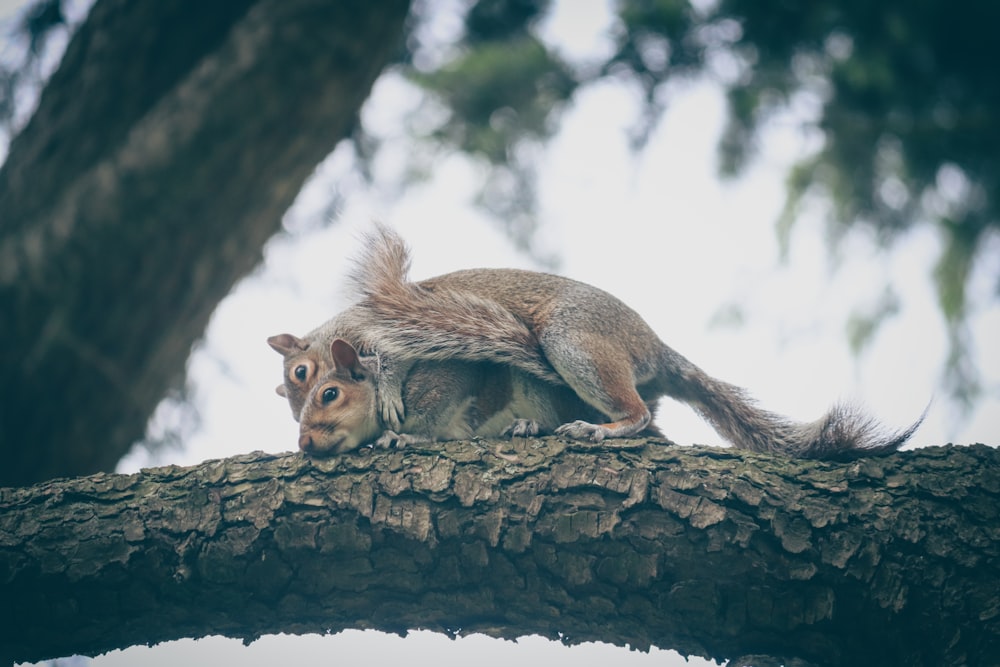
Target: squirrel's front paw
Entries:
(392, 411)
(390, 440)
(522, 428)
(581, 430)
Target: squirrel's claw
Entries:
(392, 440)
(581, 430)
(522, 428)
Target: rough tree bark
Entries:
(714, 552)
(161, 157)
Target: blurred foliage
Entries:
(906, 91)
(499, 94)
(862, 326)
(34, 26)
(502, 92)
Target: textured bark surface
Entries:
(161, 157)
(891, 561)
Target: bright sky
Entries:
(655, 229)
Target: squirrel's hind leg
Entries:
(605, 381)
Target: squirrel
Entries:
(566, 332)
(445, 400)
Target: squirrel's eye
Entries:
(330, 394)
(300, 372)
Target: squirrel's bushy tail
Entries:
(844, 433)
(415, 322)
(384, 263)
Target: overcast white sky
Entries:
(658, 230)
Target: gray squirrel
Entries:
(559, 331)
(445, 400)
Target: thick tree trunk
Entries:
(714, 552)
(161, 157)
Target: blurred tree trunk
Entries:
(714, 552)
(161, 157)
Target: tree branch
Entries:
(712, 552)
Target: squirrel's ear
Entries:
(280, 391)
(286, 344)
(345, 357)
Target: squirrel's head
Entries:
(338, 413)
(304, 364)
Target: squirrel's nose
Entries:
(306, 443)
